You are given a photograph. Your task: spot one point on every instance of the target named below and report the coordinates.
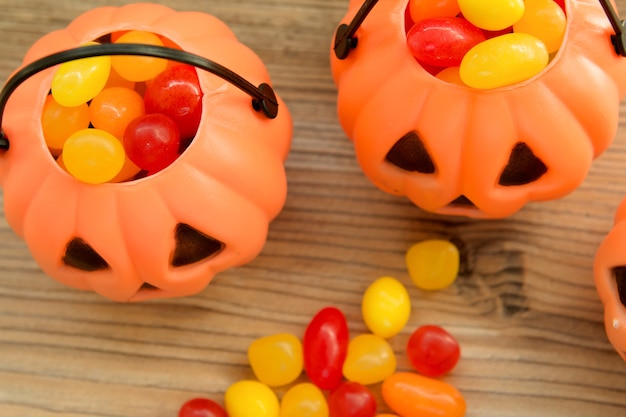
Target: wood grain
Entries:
(524, 307)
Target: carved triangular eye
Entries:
(410, 154)
(79, 254)
(193, 246)
(619, 273)
(523, 167)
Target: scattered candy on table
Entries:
(151, 105)
(201, 407)
(370, 359)
(277, 359)
(325, 348)
(433, 351)
(345, 368)
(352, 399)
(495, 43)
(433, 264)
(304, 400)
(249, 398)
(413, 395)
(386, 307)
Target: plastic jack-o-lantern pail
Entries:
(457, 149)
(610, 280)
(157, 234)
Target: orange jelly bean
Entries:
(138, 68)
(412, 395)
(60, 122)
(114, 108)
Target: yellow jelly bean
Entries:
(251, 399)
(277, 359)
(545, 20)
(76, 82)
(304, 400)
(370, 359)
(503, 60)
(93, 156)
(138, 68)
(433, 264)
(386, 307)
(492, 14)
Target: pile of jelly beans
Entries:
(485, 44)
(118, 118)
(345, 367)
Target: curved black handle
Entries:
(619, 39)
(345, 40)
(263, 97)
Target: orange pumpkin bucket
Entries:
(95, 211)
(610, 279)
(482, 134)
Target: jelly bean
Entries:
(152, 141)
(114, 108)
(433, 264)
(352, 399)
(545, 20)
(386, 307)
(443, 41)
(116, 80)
(129, 171)
(78, 81)
(450, 75)
(504, 60)
(277, 359)
(201, 407)
(492, 14)
(325, 347)
(176, 93)
(304, 400)
(424, 9)
(93, 156)
(370, 359)
(138, 68)
(409, 395)
(59, 122)
(433, 351)
(251, 399)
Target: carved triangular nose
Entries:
(462, 201)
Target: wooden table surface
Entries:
(524, 307)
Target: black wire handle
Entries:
(263, 96)
(345, 40)
(619, 38)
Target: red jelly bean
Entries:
(352, 399)
(325, 346)
(201, 407)
(443, 41)
(152, 142)
(176, 93)
(433, 351)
